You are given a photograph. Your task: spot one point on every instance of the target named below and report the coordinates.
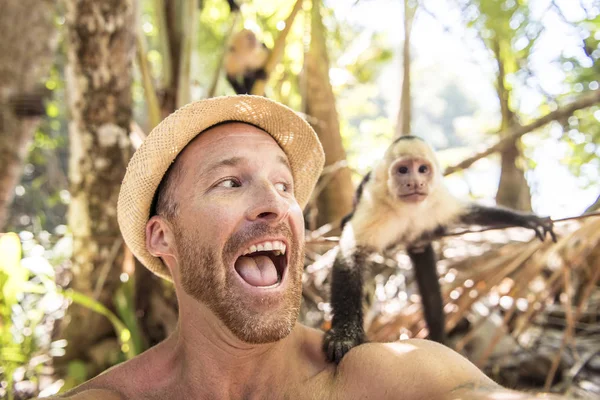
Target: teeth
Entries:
(277, 247)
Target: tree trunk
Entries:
(513, 190)
(101, 37)
(405, 113)
(594, 207)
(178, 18)
(27, 46)
(335, 200)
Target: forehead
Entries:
(411, 148)
(229, 140)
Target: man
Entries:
(213, 201)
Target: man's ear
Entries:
(160, 241)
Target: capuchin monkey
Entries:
(403, 201)
(245, 61)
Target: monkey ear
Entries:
(159, 238)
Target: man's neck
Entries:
(210, 360)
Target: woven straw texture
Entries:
(150, 162)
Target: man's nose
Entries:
(267, 204)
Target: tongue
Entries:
(257, 270)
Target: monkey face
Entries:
(410, 179)
(250, 38)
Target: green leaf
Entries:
(123, 333)
(10, 265)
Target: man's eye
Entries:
(282, 187)
(229, 183)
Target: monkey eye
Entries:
(423, 169)
(403, 170)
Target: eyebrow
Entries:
(228, 162)
(283, 160)
(234, 161)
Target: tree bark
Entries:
(513, 190)
(178, 18)
(101, 38)
(403, 126)
(335, 200)
(27, 46)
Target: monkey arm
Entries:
(233, 7)
(251, 77)
(356, 199)
(347, 329)
(237, 86)
(499, 216)
(424, 266)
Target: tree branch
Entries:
(277, 52)
(215, 82)
(586, 100)
(151, 97)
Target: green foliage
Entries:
(582, 130)
(42, 198)
(31, 301)
(507, 30)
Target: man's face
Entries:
(235, 199)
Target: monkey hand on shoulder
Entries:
(339, 341)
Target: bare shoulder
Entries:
(414, 368)
(92, 394)
(106, 386)
(133, 379)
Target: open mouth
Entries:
(263, 264)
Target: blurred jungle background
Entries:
(507, 91)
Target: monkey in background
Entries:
(245, 61)
(403, 200)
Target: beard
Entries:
(208, 277)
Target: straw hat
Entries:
(150, 162)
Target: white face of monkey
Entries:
(410, 179)
(412, 171)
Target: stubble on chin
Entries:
(208, 278)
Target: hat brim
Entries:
(151, 161)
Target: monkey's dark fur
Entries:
(403, 201)
(245, 61)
